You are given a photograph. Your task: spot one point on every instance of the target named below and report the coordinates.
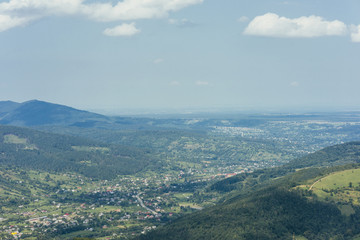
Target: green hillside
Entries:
(7, 106)
(270, 214)
(278, 211)
(197, 147)
(34, 113)
(30, 149)
(78, 181)
(331, 156)
(337, 187)
(282, 203)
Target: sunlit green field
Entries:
(343, 186)
(339, 180)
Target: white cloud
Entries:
(355, 33)
(101, 11)
(202, 83)
(243, 19)
(7, 22)
(272, 25)
(40, 7)
(122, 30)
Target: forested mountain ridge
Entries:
(273, 213)
(7, 106)
(330, 156)
(34, 112)
(31, 149)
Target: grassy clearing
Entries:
(191, 205)
(182, 196)
(343, 186)
(13, 139)
(339, 180)
(183, 164)
(10, 138)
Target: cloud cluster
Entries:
(15, 13)
(272, 25)
(7, 22)
(122, 30)
(355, 33)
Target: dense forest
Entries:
(331, 156)
(30, 149)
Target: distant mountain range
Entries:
(34, 113)
(7, 106)
(39, 113)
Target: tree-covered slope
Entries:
(273, 213)
(7, 106)
(275, 203)
(331, 156)
(30, 149)
(34, 113)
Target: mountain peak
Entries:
(36, 112)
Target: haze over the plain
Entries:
(178, 54)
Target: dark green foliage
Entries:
(7, 106)
(331, 156)
(173, 144)
(33, 113)
(55, 153)
(82, 238)
(265, 204)
(273, 213)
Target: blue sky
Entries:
(179, 54)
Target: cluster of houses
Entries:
(121, 197)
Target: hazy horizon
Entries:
(196, 54)
(215, 110)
